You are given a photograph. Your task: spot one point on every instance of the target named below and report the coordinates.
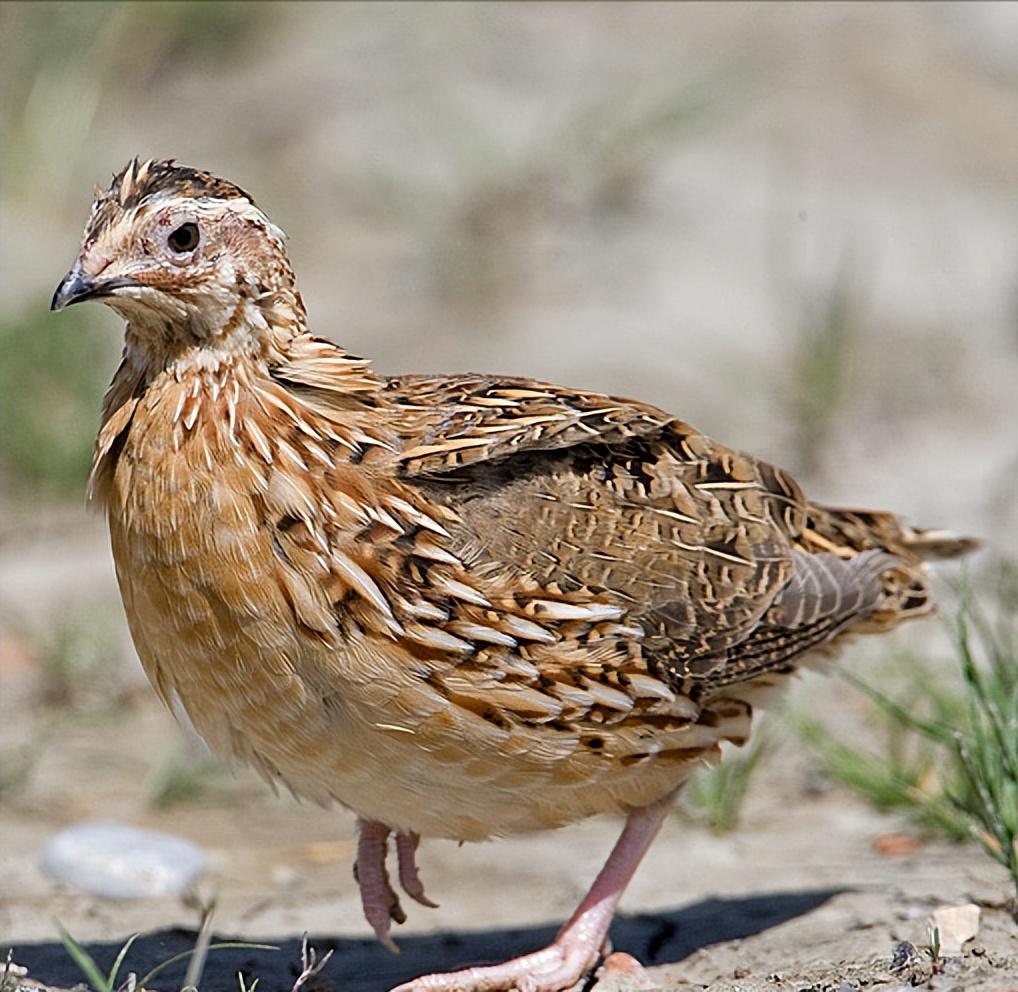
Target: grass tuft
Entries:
(99, 982)
(87, 965)
(180, 775)
(821, 365)
(51, 379)
(16, 765)
(79, 657)
(951, 760)
(714, 796)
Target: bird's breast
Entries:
(196, 570)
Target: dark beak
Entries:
(76, 287)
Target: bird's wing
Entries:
(452, 421)
(547, 556)
(600, 498)
(555, 501)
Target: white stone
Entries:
(121, 862)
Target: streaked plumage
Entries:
(461, 606)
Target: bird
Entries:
(462, 606)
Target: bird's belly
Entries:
(352, 724)
(384, 752)
(401, 751)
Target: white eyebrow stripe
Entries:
(209, 207)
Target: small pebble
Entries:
(955, 926)
(896, 845)
(9, 970)
(621, 972)
(905, 956)
(120, 862)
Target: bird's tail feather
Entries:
(851, 533)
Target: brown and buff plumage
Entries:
(461, 606)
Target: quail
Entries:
(462, 606)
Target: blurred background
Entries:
(793, 225)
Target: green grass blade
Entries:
(119, 960)
(951, 757)
(928, 728)
(715, 795)
(84, 961)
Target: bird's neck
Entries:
(197, 388)
(239, 328)
(257, 347)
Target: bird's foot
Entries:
(378, 898)
(558, 966)
(580, 943)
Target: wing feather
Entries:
(590, 513)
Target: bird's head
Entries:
(183, 256)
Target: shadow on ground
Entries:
(365, 966)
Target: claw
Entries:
(409, 880)
(556, 967)
(378, 900)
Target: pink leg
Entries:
(409, 880)
(380, 904)
(575, 950)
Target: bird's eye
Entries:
(184, 239)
